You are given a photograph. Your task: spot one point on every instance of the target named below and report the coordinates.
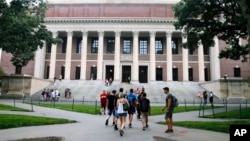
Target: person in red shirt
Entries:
(103, 101)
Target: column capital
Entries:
(54, 34)
(101, 33)
(117, 33)
(84, 32)
(169, 33)
(152, 33)
(69, 32)
(135, 33)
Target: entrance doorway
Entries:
(158, 74)
(126, 73)
(109, 72)
(143, 74)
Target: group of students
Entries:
(120, 105)
(50, 95)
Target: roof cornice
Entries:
(108, 20)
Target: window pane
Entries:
(175, 45)
(158, 46)
(126, 46)
(110, 45)
(79, 46)
(94, 46)
(143, 46)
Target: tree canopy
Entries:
(22, 29)
(202, 20)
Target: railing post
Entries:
(95, 106)
(14, 102)
(73, 103)
(31, 104)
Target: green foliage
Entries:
(217, 126)
(22, 29)
(202, 20)
(2, 73)
(12, 108)
(13, 121)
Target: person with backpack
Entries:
(132, 102)
(169, 110)
(121, 103)
(111, 106)
(145, 110)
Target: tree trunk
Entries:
(18, 69)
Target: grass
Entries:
(13, 121)
(217, 126)
(156, 110)
(89, 109)
(12, 108)
(237, 114)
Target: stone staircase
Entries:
(90, 90)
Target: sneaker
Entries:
(113, 123)
(146, 125)
(107, 121)
(143, 128)
(121, 132)
(169, 131)
(115, 128)
(130, 125)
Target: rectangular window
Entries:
(47, 73)
(93, 73)
(158, 74)
(158, 46)
(79, 45)
(64, 44)
(190, 74)
(94, 45)
(191, 51)
(110, 45)
(143, 46)
(175, 74)
(78, 71)
(206, 50)
(237, 72)
(62, 71)
(127, 46)
(174, 45)
(48, 47)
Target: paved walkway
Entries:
(92, 128)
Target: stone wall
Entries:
(231, 88)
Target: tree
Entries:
(202, 20)
(22, 30)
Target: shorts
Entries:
(122, 114)
(144, 115)
(103, 106)
(169, 114)
(116, 114)
(111, 111)
(131, 110)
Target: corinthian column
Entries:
(201, 63)
(117, 55)
(68, 55)
(135, 67)
(185, 60)
(152, 56)
(53, 58)
(169, 57)
(214, 60)
(84, 54)
(100, 55)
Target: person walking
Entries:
(122, 102)
(132, 102)
(145, 110)
(103, 102)
(169, 110)
(111, 106)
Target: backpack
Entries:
(175, 101)
(144, 105)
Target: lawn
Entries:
(13, 121)
(156, 110)
(92, 109)
(12, 108)
(217, 126)
(237, 114)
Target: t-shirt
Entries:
(169, 96)
(131, 99)
(144, 105)
(103, 98)
(111, 101)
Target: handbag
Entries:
(125, 107)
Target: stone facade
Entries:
(133, 38)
